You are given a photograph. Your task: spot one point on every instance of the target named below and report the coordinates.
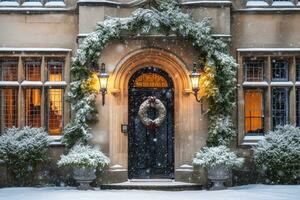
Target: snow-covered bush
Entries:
(210, 157)
(84, 156)
(21, 150)
(278, 155)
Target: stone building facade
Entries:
(38, 39)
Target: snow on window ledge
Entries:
(32, 83)
(255, 83)
(282, 3)
(283, 83)
(9, 83)
(55, 83)
(55, 140)
(32, 4)
(252, 140)
(256, 4)
(55, 4)
(9, 3)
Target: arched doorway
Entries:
(150, 151)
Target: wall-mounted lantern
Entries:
(103, 80)
(195, 79)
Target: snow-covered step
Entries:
(167, 184)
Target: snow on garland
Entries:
(166, 18)
(152, 124)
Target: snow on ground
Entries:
(248, 192)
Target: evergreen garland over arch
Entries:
(166, 18)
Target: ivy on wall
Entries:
(166, 18)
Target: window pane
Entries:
(280, 69)
(33, 70)
(254, 70)
(33, 107)
(298, 69)
(150, 80)
(298, 107)
(9, 70)
(254, 117)
(279, 106)
(55, 112)
(9, 107)
(55, 71)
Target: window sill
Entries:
(55, 4)
(9, 83)
(32, 83)
(32, 4)
(252, 140)
(55, 140)
(283, 4)
(283, 83)
(9, 4)
(256, 4)
(255, 84)
(55, 83)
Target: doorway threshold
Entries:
(151, 180)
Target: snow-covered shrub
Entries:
(278, 155)
(221, 131)
(21, 150)
(84, 156)
(210, 157)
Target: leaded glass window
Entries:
(254, 112)
(298, 70)
(9, 70)
(280, 102)
(33, 70)
(55, 111)
(151, 80)
(9, 107)
(280, 70)
(55, 70)
(33, 107)
(298, 107)
(254, 70)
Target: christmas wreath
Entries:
(152, 124)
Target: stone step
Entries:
(156, 184)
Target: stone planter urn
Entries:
(218, 175)
(84, 176)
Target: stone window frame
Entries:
(44, 54)
(292, 84)
(272, 3)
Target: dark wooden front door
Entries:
(151, 152)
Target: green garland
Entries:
(166, 18)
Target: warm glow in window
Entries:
(33, 70)
(151, 80)
(55, 100)
(9, 105)
(55, 71)
(254, 111)
(9, 70)
(33, 107)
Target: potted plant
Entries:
(218, 161)
(84, 160)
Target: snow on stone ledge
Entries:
(282, 3)
(282, 83)
(55, 4)
(9, 3)
(255, 83)
(267, 49)
(32, 4)
(11, 49)
(55, 83)
(256, 4)
(9, 83)
(31, 83)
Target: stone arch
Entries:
(159, 58)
